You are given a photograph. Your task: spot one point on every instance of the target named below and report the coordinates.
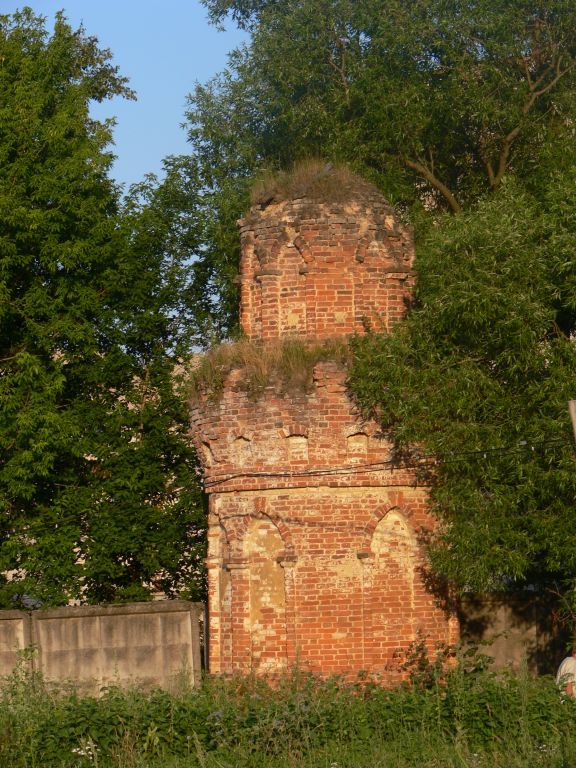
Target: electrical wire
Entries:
(423, 461)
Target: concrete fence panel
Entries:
(15, 636)
(515, 629)
(150, 644)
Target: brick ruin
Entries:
(314, 554)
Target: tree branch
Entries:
(435, 182)
(340, 67)
(534, 94)
(484, 155)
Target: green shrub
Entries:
(459, 715)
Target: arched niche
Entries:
(391, 587)
(357, 446)
(263, 548)
(207, 454)
(393, 539)
(297, 447)
(241, 450)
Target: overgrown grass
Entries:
(311, 178)
(288, 365)
(463, 717)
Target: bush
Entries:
(467, 715)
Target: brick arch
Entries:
(294, 429)
(360, 253)
(393, 529)
(267, 252)
(303, 247)
(240, 447)
(265, 595)
(252, 522)
(205, 453)
(262, 511)
(377, 516)
(356, 444)
(356, 429)
(223, 538)
(236, 529)
(233, 538)
(389, 586)
(285, 534)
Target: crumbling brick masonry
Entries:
(315, 553)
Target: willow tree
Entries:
(473, 387)
(463, 114)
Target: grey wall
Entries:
(515, 628)
(153, 644)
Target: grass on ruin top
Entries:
(287, 365)
(313, 179)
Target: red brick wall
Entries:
(315, 538)
(322, 270)
(347, 549)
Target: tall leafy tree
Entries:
(97, 482)
(436, 102)
(460, 108)
(474, 386)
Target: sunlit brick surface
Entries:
(315, 538)
(312, 269)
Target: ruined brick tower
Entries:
(314, 539)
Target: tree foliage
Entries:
(474, 387)
(97, 482)
(449, 107)
(436, 102)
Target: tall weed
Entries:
(450, 713)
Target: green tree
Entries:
(473, 387)
(98, 489)
(436, 102)
(449, 107)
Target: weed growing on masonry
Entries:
(311, 178)
(288, 365)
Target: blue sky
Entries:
(164, 48)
